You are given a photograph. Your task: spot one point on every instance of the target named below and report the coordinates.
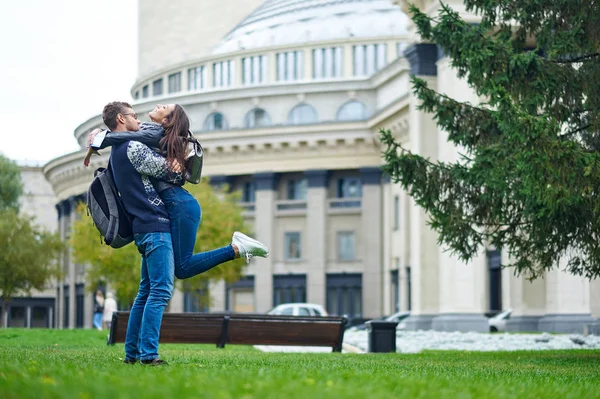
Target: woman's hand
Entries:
(175, 166)
(90, 152)
(91, 136)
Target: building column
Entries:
(266, 184)
(405, 240)
(217, 292)
(176, 302)
(371, 236)
(316, 224)
(462, 285)
(71, 266)
(424, 255)
(595, 297)
(348, 61)
(387, 216)
(59, 302)
(527, 299)
(272, 67)
(568, 307)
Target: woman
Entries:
(98, 309)
(169, 133)
(110, 306)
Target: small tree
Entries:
(529, 178)
(11, 186)
(29, 256)
(221, 215)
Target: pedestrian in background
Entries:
(98, 309)
(110, 306)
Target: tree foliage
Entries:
(29, 255)
(221, 216)
(11, 186)
(529, 177)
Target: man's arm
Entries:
(150, 135)
(150, 163)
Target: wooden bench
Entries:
(242, 329)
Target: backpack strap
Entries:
(113, 227)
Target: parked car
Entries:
(498, 323)
(298, 309)
(398, 317)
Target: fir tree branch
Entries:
(573, 60)
(573, 132)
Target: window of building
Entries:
(396, 288)
(344, 294)
(289, 289)
(327, 63)
(346, 245)
(293, 249)
(249, 191)
(396, 212)
(239, 296)
(137, 95)
(196, 301)
(254, 70)
(40, 317)
(369, 58)
(257, 117)
(79, 305)
(16, 316)
(174, 83)
(352, 111)
(296, 189)
(145, 92)
(215, 121)
(400, 47)
(223, 73)
(197, 78)
(157, 87)
(302, 113)
(494, 259)
(409, 287)
(349, 187)
(290, 66)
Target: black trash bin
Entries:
(382, 336)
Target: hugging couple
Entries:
(148, 162)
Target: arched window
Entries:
(352, 111)
(302, 113)
(215, 121)
(257, 117)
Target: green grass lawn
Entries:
(78, 364)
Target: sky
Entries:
(60, 62)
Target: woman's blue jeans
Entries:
(185, 214)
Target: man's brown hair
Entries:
(110, 112)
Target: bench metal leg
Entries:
(224, 332)
(338, 346)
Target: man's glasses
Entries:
(132, 114)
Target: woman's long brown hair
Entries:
(175, 141)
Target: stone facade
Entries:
(341, 234)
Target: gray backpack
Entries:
(106, 209)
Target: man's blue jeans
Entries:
(185, 214)
(156, 289)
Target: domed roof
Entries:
(281, 22)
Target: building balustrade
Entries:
(291, 205)
(343, 203)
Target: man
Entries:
(152, 234)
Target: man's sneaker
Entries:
(249, 247)
(129, 360)
(154, 362)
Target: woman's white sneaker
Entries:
(249, 247)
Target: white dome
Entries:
(282, 22)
